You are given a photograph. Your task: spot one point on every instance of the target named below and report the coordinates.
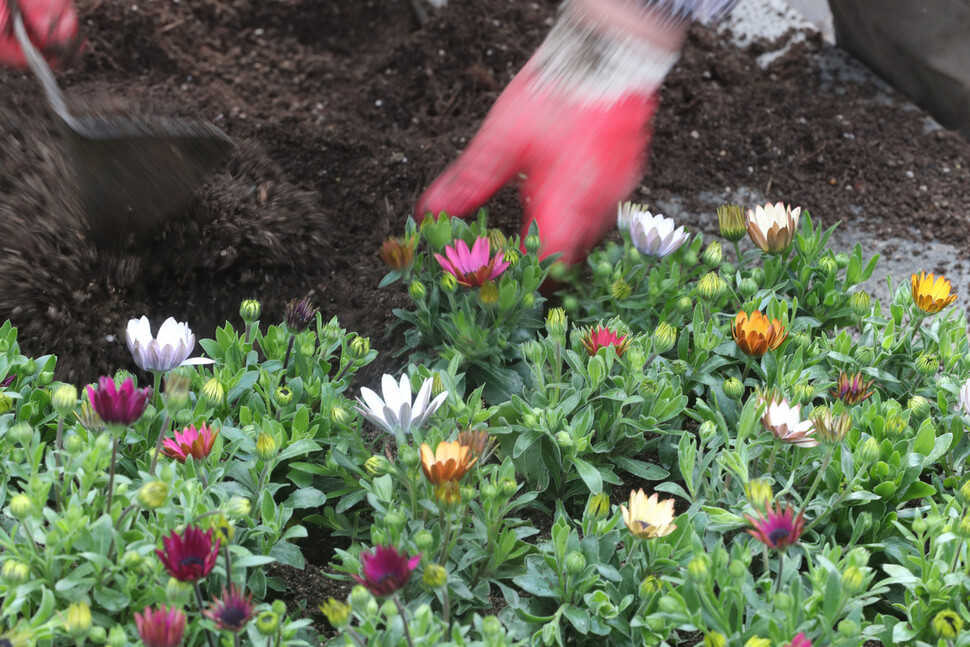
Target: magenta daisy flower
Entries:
(801, 640)
(232, 611)
(120, 406)
(386, 570)
(852, 389)
(779, 529)
(162, 627)
(190, 556)
(601, 337)
(472, 268)
(193, 442)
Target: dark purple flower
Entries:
(190, 556)
(121, 406)
(299, 314)
(232, 611)
(7, 381)
(162, 627)
(386, 570)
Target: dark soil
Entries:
(343, 112)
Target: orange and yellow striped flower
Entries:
(931, 294)
(449, 462)
(756, 334)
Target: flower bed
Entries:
(688, 451)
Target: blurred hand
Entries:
(52, 28)
(575, 122)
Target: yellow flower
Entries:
(450, 461)
(931, 294)
(757, 334)
(648, 517)
(947, 624)
(773, 226)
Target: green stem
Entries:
(818, 478)
(158, 444)
(198, 600)
(781, 570)
(286, 358)
(771, 460)
(59, 476)
(738, 255)
(156, 390)
(404, 620)
(835, 504)
(111, 474)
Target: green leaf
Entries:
(647, 471)
(577, 617)
(307, 497)
(590, 475)
(918, 490)
(287, 553)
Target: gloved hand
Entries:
(51, 25)
(576, 122)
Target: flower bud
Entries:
(508, 487)
(395, 520)
(707, 430)
(621, 289)
(603, 270)
(947, 624)
(842, 260)
(15, 572)
(117, 637)
(298, 314)
(713, 255)
(757, 641)
(488, 293)
(331, 333)
(919, 405)
(283, 396)
(733, 388)
(804, 393)
(861, 304)
(965, 492)
(133, 560)
(827, 265)
(783, 601)
(759, 493)
(711, 286)
(153, 494)
(337, 613)
(249, 310)
(360, 346)
(73, 444)
(532, 243)
(178, 593)
(690, 258)
(679, 367)
(214, 392)
(266, 447)
(424, 541)
(738, 569)
(564, 440)
(279, 608)
(557, 323)
(21, 507)
(409, 457)
(238, 507)
(359, 599)
(64, 399)
(664, 338)
(868, 450)
(267, 623)
(714, 639)
(22, 432)
(963, 528)
(748, 288)
(417, 291)
(448, 283)
(650, 584)
(6, 403)
(699, 568)
(176, 395)
(853, 579)
(575, 563)
(435, 576)
(848, 628)
(598, 506)
(377, 465)
(493, 631)
(927, 364)
(919, 525)
(78, 621)
(389, 609)
(731, 222)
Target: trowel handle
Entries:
(38, 65)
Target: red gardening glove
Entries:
(51, 25)
(576, 121)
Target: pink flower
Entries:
(232, 611)
(601, 337)
(473, 268)
(801, 640)
(386, 570)
(193, 442)
(779, 529)
(190, 556)
(162, 627)
(784, 421)
(120, 406)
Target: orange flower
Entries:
(931, 294)
(480, 444)
(449, 462)
(757, 334)
(398, 253)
